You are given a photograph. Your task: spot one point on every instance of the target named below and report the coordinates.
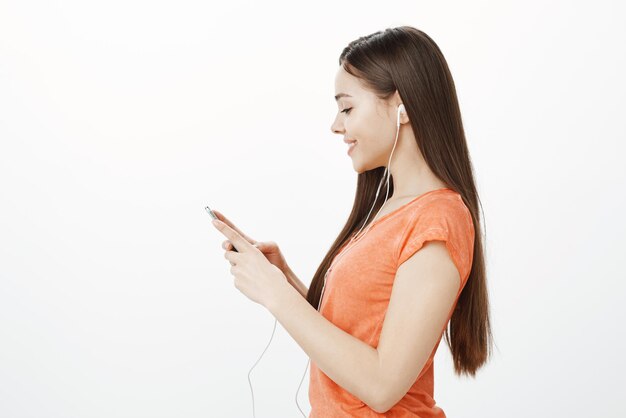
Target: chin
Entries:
(360, 167)
(361, 164)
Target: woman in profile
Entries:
(390, 284)
(420, 265)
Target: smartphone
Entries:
(214, 216)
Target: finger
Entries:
(239, 242)
(228, 222)
(228, 246)
(232, 257)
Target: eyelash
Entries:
(346, 111)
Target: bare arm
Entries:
(295, 282)
(348, 361)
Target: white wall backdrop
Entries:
(121, 120)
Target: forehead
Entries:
(347, 84)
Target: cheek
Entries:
(366, 126)
(359, 127)
(367, 131)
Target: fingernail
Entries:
(216, 222)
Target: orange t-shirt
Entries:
(358, 289)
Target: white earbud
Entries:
(400, 109)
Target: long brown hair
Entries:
(407, 60)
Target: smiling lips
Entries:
(351, 145)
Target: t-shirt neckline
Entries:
(408, 204)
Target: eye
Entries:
(346, 111)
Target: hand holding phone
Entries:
(270, 249)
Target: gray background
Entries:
(121, 120)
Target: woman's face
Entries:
(363, 118)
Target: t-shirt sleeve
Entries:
(445, 221)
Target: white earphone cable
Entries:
(350, 244)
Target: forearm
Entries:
(296, 283)
(348, 361)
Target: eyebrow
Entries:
(341, 95)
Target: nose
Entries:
(336, 128)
